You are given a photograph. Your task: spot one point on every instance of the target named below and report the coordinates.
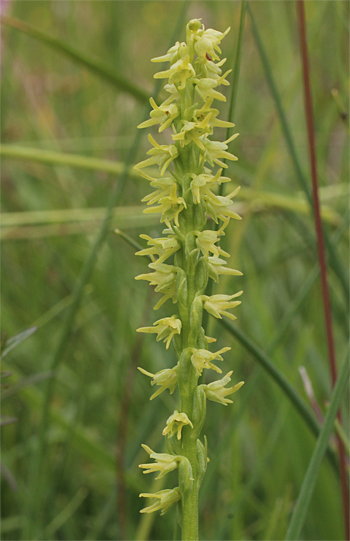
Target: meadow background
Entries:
(81, 408)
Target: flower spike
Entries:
(190, 164)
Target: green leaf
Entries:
(64, 158)
(302, 505)
(93, 64)
(16, 340)
(334, 260)
(281, 381)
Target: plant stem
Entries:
(321, 249)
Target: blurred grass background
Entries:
(259, 447)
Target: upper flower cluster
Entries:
(193, 78)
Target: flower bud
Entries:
(196, 318)
(202, 459)
(199, 409)
(185, 475)
(201, 276)
(181, 289)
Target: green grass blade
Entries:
(334, 258)
(14, 341)
(49, 157)
(41, 224)
(302, 505)
(95, 65)
(237, 66)
(262, 358)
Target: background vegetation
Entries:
(70, 461)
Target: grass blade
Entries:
(14, 341)
(320, 245)
(300, 510)
(281, 381)
(95, 65)
(49, 157)
(334, 258)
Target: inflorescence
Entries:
(187, 254)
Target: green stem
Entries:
(190, 516)
(302, 505)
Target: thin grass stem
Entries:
(334, 257)
(302, 505)
(320, 247)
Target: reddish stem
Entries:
(320, 248)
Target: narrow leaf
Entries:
(302, 505)
(95, 65)
(262, 358)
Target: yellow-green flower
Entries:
(164, 278)
(216, 266)
(170, 206)
(165, 328)
(206, 241)
(218, 207)
(217, 392)
(175, 423)
(162, 155)
(164, 463)
(219, 304)
(166, 498)
(166, 379)
(214, 150)
(163, 115)
(202, 358)
(178, 72)
(162, 247)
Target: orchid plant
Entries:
(187, 256)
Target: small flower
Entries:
(178, 72)
(162, 155)
(173, 53)
(205, 88)
(217, 206)
(212, 70)
(165, 328)
(163, 463)
(175, 423)
(214, 150)
(217, 392)
(163, 115)
(170, 206)
(162, 247)
(192, 131)
(166, 499)
(206, 242)
(164, 277)
(216, 267)
(208, 43)
(163, 186)
(166, 379)
(218, 304)
(201, 183)
(202, 358)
